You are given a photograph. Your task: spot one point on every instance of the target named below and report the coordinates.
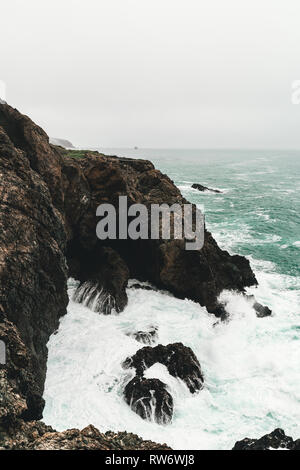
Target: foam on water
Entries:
(251, 367)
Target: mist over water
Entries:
(250, 364)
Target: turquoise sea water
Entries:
(251, 365)
(261, 199)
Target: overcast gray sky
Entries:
(155, 73)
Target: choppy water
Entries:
(251, 365)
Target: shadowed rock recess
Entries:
(48, 206)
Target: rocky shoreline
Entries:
(276, 440)
(47, 220)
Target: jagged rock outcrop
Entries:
(180, 361)
(204, 188)
(150, 399)
(37, 436)
(275, 440)
(198, 275)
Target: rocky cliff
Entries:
(48, 219)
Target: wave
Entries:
(250, 366)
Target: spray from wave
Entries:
(250, 367)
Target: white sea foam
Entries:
(251, 366)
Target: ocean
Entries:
(250, 364)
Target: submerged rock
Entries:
(275, 440)
(149, 399)
(261, 310)
(180, 361)
(204, 188)
(146, 337)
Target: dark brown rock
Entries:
(20, 395)
(32, 240)
(204, 188)
(275, 440)
(261, 310)
(198, 275)
(150, 399)
(103, 279)
(180, 361)
(37, 436)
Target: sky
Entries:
(155, 73)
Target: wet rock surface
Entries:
(103, 280)
(275, 440)
(146, 337)
(180, 361)
(261, 310)
(150, 399)
(204, 188)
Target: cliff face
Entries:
(47, 217)
(32, 243)
(198, 275)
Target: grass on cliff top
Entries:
(76, 153)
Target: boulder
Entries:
(150, 399)
(204, 188)
(180, 361)
(261, 310)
